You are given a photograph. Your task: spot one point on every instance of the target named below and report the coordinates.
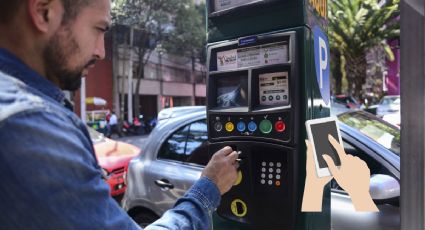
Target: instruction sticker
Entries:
(238, 208)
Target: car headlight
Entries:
(105, 174)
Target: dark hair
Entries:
(8, 9)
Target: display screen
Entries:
(232, 91)
(322, 145)
(274, 88)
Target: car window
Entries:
(187, 145)
(174, 147)
(374, 128)
(196, 148)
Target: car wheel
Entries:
(143, 219)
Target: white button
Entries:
(263, 170)
(278, 170)
(271, 164)
(278, 177)
(263, 164)
(270, 182)
(263, 181)
(270, 176)
(271, 170)
(263, 175)
(278, 164)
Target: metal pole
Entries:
(412, 114)
(130, 79)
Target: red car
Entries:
(113, 157)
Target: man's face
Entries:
(77, 45)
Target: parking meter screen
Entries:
(232, 92)
(274, 89)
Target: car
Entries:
(113, 156)
(176, 153)
(393, 118)
(343, 103)
(387, 105)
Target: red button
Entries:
(280, 126)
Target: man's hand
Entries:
(222, 169)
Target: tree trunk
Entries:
(356, 74)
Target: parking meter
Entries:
(264, 81)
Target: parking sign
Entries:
(321, 57)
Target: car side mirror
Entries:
(384, 187)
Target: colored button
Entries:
(218, 126)
(266, 126)
(252, 126)
(277, 183)
(239, 179)
(241, 126)
(280, 126)
(230, 126)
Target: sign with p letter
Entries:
(321, 57)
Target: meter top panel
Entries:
(251, 88)
(230, 19)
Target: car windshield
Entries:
(374, 128)
(95, 136)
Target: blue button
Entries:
(241, 126)
(252, 126)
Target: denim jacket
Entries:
(50, 178)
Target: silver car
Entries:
(176, 153)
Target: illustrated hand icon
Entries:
(353, 176)
(313, 191)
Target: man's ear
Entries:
(44, 14)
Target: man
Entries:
(50, 177)
(113, 125)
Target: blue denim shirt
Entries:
(50, 178)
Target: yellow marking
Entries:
(241, 212)
(321, 7)
(239, 179)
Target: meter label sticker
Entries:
(274, 54)
(238, 208)
(249, 57)
(321, 57)
(227, 4)
(274, 88)
(227, 60)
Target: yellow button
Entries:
(239, 179)
(230, 126)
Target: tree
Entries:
(189, 36)
(154, 19)
(355, 26)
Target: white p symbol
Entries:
(323, 55)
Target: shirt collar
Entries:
(14, 67)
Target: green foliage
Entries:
(355, 26)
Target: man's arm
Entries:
(50, 179)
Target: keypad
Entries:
(271, 173)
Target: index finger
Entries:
(339, 149)
(224, 151)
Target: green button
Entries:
(266, 126)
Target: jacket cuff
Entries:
(207, 193)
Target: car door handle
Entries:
(163, 183)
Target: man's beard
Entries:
(61, 47)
